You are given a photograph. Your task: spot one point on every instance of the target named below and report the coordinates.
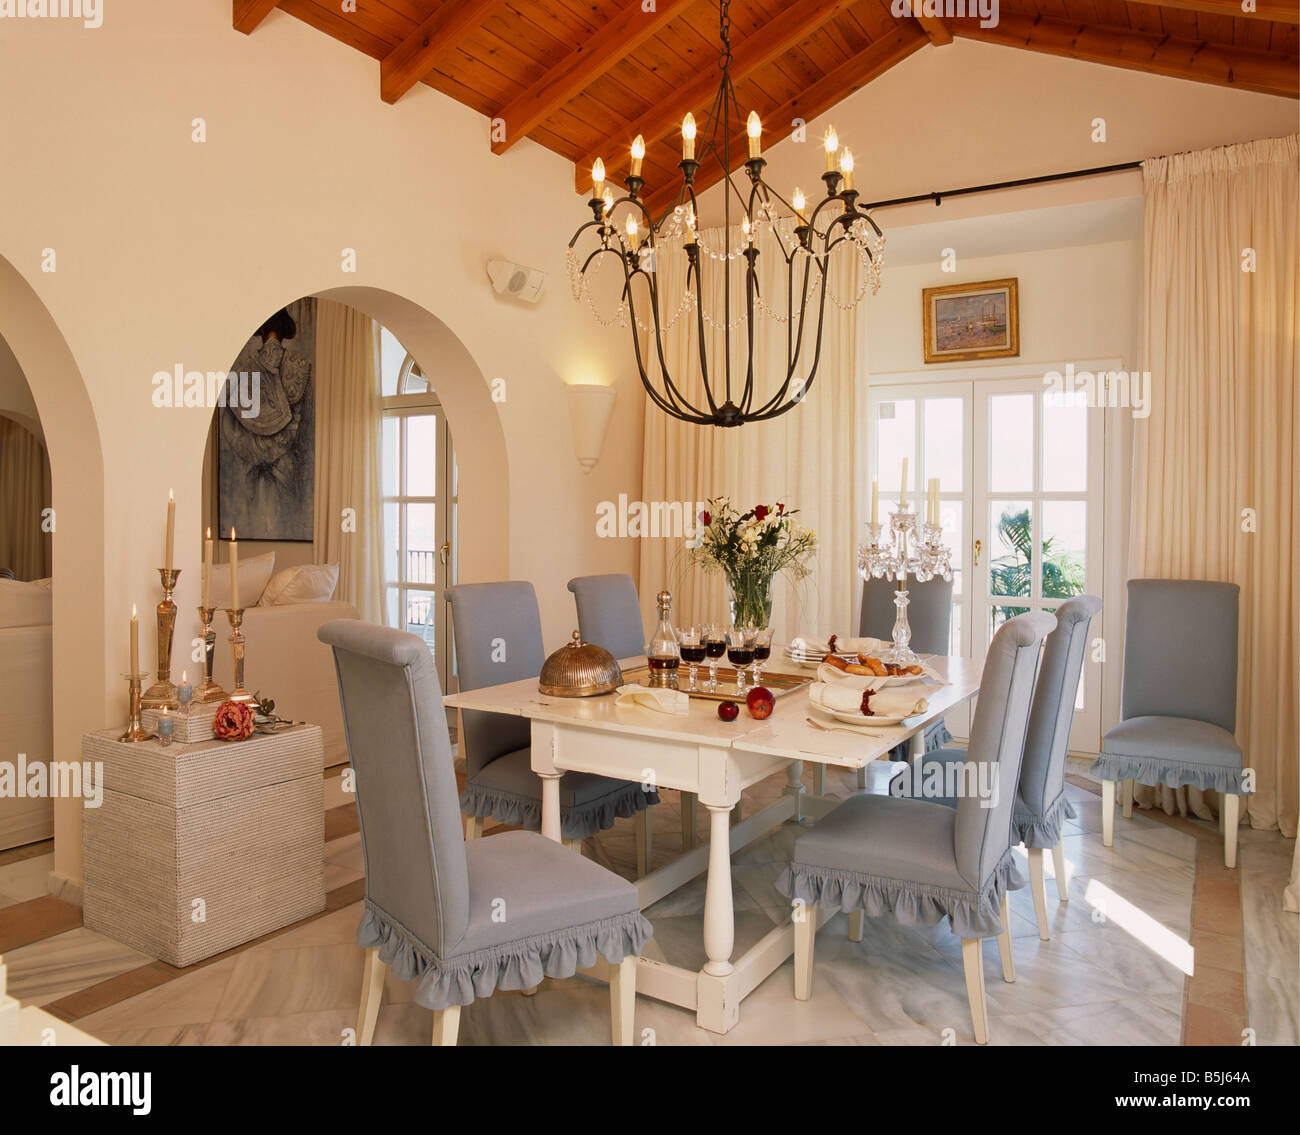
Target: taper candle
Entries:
(234, 571)
(171, 530)
(902, 486)
(135, 642)
(207, 569)
(875, 502)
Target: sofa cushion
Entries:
(254, 572)
(302, 583)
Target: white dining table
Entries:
(716, 761)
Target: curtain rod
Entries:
(937, 198)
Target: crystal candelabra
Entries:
(906, 545)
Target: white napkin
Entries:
(812, 644)
(660, 699)
(886, 703)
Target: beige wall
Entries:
(170, 251)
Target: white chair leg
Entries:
(1058, 863)
(372, 993)
(473, 827)
(1004, 942)
(972, 961)
(819, 779)
(1222, 809)
(644, 836)
(1108, 813)
(1231, 812)
(805, 935)
(688, 802)
(855, 925)
(446, 1024)
(622, 1001)
(1126, 798)
(1038, 888)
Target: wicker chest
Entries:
(200, 847)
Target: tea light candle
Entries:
(166, 727)
(185, 692)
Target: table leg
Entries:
(551, 805)
(719, 916)
(794, 787)
(916, 746)
(819, 779)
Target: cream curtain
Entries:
(809, 458)
(1217, 465)
(24, 493)
(348, 514)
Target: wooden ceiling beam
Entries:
(247, 14)
(436, 37)
(1277, 11)
(1143, 51)
(783, 32)
(832, 88)
(583, 65)
(935, 29)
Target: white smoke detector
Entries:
(516, 280)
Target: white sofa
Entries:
(26, 703)
(284, 660)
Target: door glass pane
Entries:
(954, 535)
(422, 455)
(419, 616)
(421, 543)
(999, 615)
(955, 647)
(390, 608)
(391, 548)
(392, 456)
(391, 357)
(1065, 443)
(945, 435)
(895, 439)
(1065, 537)
(1011, 443)
(1010, 548)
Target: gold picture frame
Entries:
(971, 321)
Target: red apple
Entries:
(728, 710)
(761, 702)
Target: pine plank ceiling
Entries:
(583, 77)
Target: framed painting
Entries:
(266, 454)
(971, 321)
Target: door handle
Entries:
(443, 553)
(979, 547)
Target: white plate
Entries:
(854, 718)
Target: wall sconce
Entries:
(589, 410)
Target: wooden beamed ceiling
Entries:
(584, 77)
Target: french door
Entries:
(1020, 470)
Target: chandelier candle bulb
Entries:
(688, 138)
(598, 179)
(609, 201)
(754, 129)
(798, 202)
(638, 154)
(846, 167)
(832, 147)
(633, 233)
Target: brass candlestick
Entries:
(162, 694)
(135, 730)
(236, 617)
(208, 690)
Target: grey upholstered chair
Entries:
(462, 920)
(1178, 709)
(1041, 806)
(922, 861)
(498, 634)
(609, 613)
(929, 615)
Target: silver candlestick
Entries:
(907, 545)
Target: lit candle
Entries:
(875, 502)
(846, 168)
(633, 233)
(929, 501)
(207, 569)
(798, 201)
(638, 152)
(598, 178)
(902, 486)
(609, 201)
(171, 530)
(754, 128)
(748, 230)
(688, 138)
(234, 568)
(166, 727)
(185, 692)
(832, 144)
(135, 642)
(937, 502)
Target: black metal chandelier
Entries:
(804, 239)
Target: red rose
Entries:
(705, 519)
(234, 721)
(760, 512)
(780, 509)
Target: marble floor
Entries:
(1114, 971)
